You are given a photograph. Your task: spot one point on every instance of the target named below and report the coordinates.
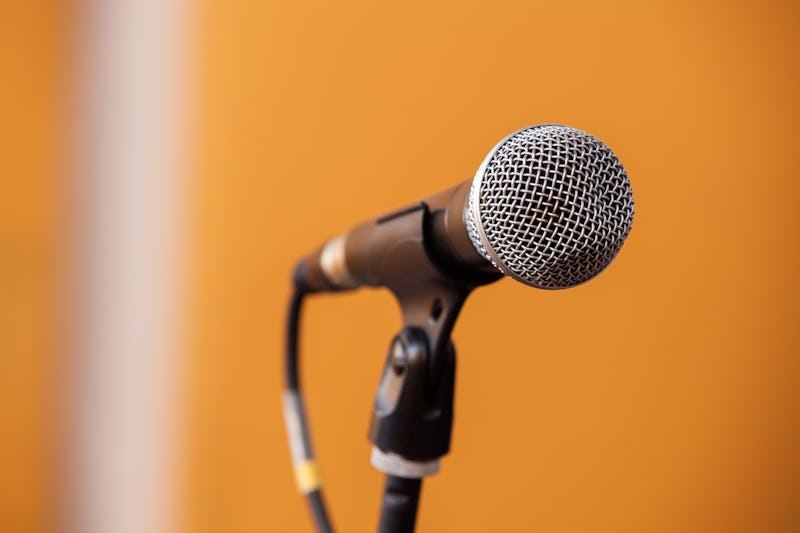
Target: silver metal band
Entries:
(395, 465)
(334, 266)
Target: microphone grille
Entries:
(550, 206)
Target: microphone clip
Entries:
(413, 410)
(412, 417)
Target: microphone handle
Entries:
(368, 254)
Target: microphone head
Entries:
(550, 206)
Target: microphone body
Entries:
(386, 248)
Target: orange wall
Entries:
(662, 396)
(31, 96)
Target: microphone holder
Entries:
(413, 409)
(411, 424)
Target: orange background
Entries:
(33, 85)
(662, 396)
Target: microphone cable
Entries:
(306, 470)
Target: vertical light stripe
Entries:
(129, 217)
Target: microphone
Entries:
(550, 206)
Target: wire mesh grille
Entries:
(551, 207)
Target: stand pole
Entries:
(399, 506)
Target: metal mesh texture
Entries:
(551, 206)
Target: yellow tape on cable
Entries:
(306, 476)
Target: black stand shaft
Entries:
(399, 506)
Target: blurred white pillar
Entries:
(124, 384)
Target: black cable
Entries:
(305, 467)
(319, 511)
(292, 340)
